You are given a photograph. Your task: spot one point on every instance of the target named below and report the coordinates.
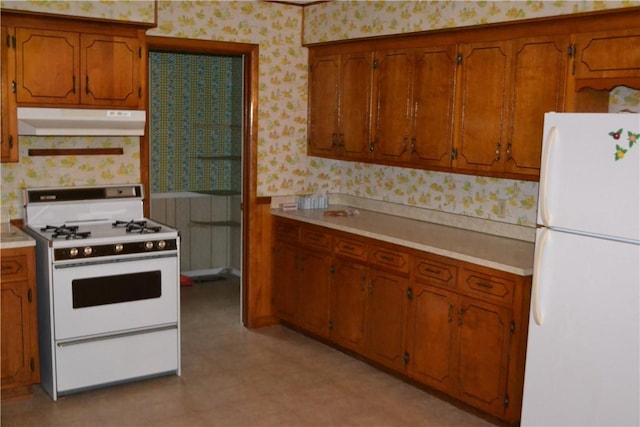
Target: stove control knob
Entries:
(87, 251)
(161, 244)
(73, 252)
(148, 245)
(118, 248)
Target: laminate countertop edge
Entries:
(500, 253)
(11, 237)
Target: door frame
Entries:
(250, 54)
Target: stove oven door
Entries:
(97, 298)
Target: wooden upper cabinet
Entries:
(110, 70)
(324, 84)
(9, 141)
(75, 69)
(608, 54)
(471, 100)
(392, 87)
(506, 88)
(482, 105)
(47, 65)
(538, 86)
(432, 102)
(355, 106)
(340, 105)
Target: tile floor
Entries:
(232, 376)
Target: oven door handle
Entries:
(142, 331)
(84, 263)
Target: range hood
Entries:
(80, 122)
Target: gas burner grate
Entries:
(137, 226)
(68, 232)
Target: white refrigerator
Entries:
(583, 364)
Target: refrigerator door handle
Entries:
(544, 174)
(535, 286)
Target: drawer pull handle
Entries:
(484, 285)
(387, 258)
(349, 248)
(432, 271)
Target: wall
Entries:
(283, 167)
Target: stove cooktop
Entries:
(110, 231)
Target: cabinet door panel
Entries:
(431, 336)
(483, 338)
(9, 141)
(285, 292)
(387, 319)
(324, 75)
(483, 105)
(433, 96)
(392, 107)
(355, 106)
(608, 54)
(314, 292)
(56, 52)
(15, 344)
(110, 70)
(538, 87)
(349, 305)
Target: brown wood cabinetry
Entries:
(9, 141)
(432, 103)
(471, 100)
(98, 64)
(87, 69)
(19, 323)
(505, 89)
(454, 326)
(301, 277)
(340, 105)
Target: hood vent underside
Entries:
(80, 122)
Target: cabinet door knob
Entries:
(498, 147)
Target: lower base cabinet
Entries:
(18, 322)
(455, 327)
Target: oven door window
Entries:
(94, 291)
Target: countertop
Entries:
(501, 253)
(12, 237)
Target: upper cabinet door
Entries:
(110, 70)
(392, 87)
(433, 99)
(482, 104)
(539, 77)
(47, 64)
(355, 106)
(324, 79)
(608, 54)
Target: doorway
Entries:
(239, 194)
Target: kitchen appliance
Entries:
(80, 121)
(108, 287)
(583, 364)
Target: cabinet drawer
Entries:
(350, 248)
(14, 268)
(434, 272)
(390, 259)
(286, 231)
(316, 239)
(487, 286)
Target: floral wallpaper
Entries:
(283, 167)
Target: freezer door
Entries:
(582, 365)
(590, 175)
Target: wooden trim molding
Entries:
(75, 151)
(256, 237)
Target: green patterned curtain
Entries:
(195, 122)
